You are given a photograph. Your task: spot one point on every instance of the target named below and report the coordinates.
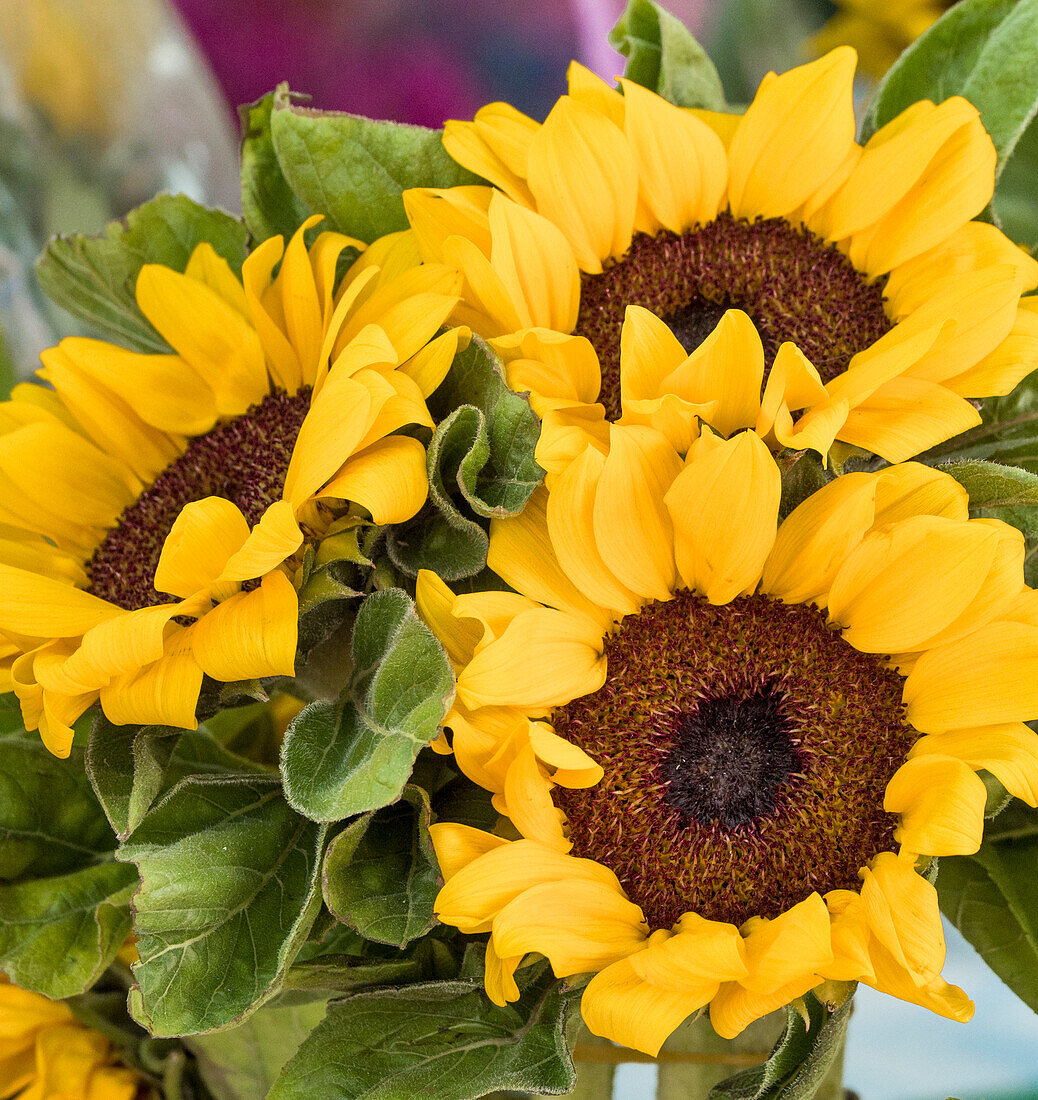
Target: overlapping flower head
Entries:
(46, 1052)
(640, 262)
(879, 29)
(156, 509)
(730, 744)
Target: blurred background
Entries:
(103, 103)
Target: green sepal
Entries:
(230, 885)
(64, 903)
(801, 1060)
(130, 767)
(438, 1040)
(95, 277)
(380, 873)
(269, 205)
(241, 1063)
(663, 56)
(802, 475)
(354, 170)
(332, 580)
(983, 50)
(345, 758)
(481, 465)
(992, 898)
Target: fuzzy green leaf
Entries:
(380, 873)
(800, 1060)
(269, 206)
(229, 888)
(993, 485)
(241, 1063)
(663, 56)
(436, 1040)
(481, 464)
(131, 766)
(64, 905)
(345, 758)
(354, 169)
(981, 49)
(992, 898)
(1016, 200)
(94, 278)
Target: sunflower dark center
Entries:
(729, 758)
(746, 751)
(793, 284)
(244, 460)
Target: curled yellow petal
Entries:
(941, 803)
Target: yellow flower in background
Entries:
(729, 744)
(47, 1054)
(878, 29)
(643, 263)
(154, 509)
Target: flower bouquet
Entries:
(532, 589)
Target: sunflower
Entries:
(155, 509)
(728, 745)
(45, 1053)
(879, 29)
(643, 263)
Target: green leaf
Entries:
(380, 873)
(59, 934)
(663, 56)
(354, 169)
(992, 485)
(800, 1061)
(802, 477)
(50, 821)
(94, 278)
(341, 759)
(64, 907)
(436, 1040)
(483, 453)
(269, 206)
(992, 898)
(241, 1063)
(981, 49)
(131, 766)
(229, 888)
(1016, 201)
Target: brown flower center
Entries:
(746, 751)
(793, 284)
(244, 460)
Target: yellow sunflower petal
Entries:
(816, 537)
(200, 542)
(556, 368)
(887, 594)
(536, 265)
(941, 803)
(428, 367)
(435, 603)
(620, 1005)
(212, 336)
(266, 314)
(469, 147)
(208, 267)
(163, 694)
(796, 943)
(988, 677)
(850, 938)
(633, 530)
(570, 515)
(521, 553)
(902, 911)
(724, 505)
(571, 767)
(905, 417)
(499, 975)
(436, 214)
(580, 925)
(457, 846)
(1000, 371)
(42, 607)
(794, 136)
(912, 489)
(735, 1007)
(388, 478)
(583, 177)
(682, 167)
(1009, 752)
(701, 951)
(544, 658)
(588, 87)
(251, 634)
(273, 540)
(937, 995)
(529, 804)
(476, 893)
